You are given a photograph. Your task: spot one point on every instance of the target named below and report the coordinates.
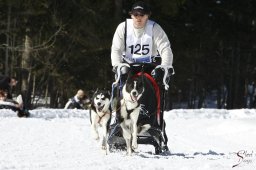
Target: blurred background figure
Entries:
(2, 96)
(6, 84)
(16, 106)
(76, 102)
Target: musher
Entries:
(141, 40)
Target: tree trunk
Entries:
(6, 70)
(46, 95)
(239, 80)
(26, 73)
(118, 10)
(231, 79)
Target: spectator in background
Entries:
(5, 101)
(76, 102)
(16, 106)
(2, 95)
(6, 84)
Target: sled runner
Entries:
(151, 104)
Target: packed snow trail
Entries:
(54, 139)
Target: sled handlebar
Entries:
(164, 68)
(118, 71)
(166, 72)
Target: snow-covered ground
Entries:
(57, 139)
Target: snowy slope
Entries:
(57, 139)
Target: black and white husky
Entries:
(100, 115)
(129, 111)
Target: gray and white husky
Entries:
(100, 114)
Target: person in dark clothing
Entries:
(6, 84)
(2, 95)
(76, 102)
(16, 106)
(7, 102)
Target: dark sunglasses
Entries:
(141, 15)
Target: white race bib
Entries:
(139, 50)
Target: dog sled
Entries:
(152, 104)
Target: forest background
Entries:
(54, 47)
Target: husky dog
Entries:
(129, 111)
(100, 113)
(140, 107)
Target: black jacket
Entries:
(5, 84)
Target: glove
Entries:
(162, 72)
(123, 70)
(114, 69)
(158, 75)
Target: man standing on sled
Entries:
(140, 40)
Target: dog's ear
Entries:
(130, 76)
(92, 105)
(95, 93)
(108, 92)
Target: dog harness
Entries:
(100, 117)
(130, 111)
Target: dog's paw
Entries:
(103, 147)
(96, 137)
(129, 153)
(134, 146)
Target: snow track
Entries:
(54, 139)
